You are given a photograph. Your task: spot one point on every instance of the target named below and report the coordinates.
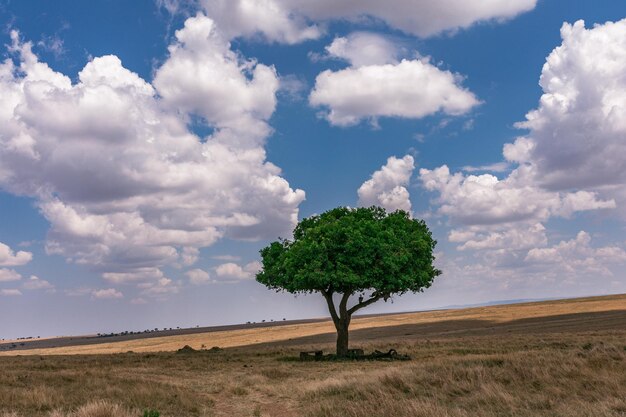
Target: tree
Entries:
(346, 252)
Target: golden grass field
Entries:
(553, 358)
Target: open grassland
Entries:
(565, 358)
(581, 314)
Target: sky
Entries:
(150, 149)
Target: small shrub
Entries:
(151, 413)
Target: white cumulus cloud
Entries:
(577, 255)
(486, 199)
(292, 21)
(10, 258)
(409, 89)
(232, 271)
(110, 160)
(204, 76)
(572, 267)
(387, 187)
(270, 19)
(159, 289)
(198, 276)
(364, 48)
(36, 283)
(577, 134)
(136, 275)
(522, 236)
(573, 159)
(9, 275)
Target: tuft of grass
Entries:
(102, 408)
(239, 391)
(275, 373)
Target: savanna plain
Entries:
(551, 358)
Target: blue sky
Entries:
(150, 149)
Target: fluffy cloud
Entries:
(270, 19)
(364, 48)
(10, 292)
(522, 236)
(485, 199)
(502, 219)
(9, 258)
(387, 187)
(293, 21)
(577, 134)
(379, 84)
(573, 267)
(577, 255)
(108, 293)
(409, 89)
(125, 185)
(233, 271)
(572, 160)
(136, 275)
(36, 283)
(203, 76)
(103, 293)
(198, 276)
(159, 289)
(9, 275)
(150, 281)
(189, 256)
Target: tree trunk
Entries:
(341, 319)
(342, 338)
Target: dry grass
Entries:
(565, 365)
(527, 317)
(93, 409)
(549, 380)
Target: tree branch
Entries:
(366, 303)
(343, 305)
(328, 295)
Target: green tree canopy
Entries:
(349, 251)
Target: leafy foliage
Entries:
(347, 250)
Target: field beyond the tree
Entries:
(551, 358)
